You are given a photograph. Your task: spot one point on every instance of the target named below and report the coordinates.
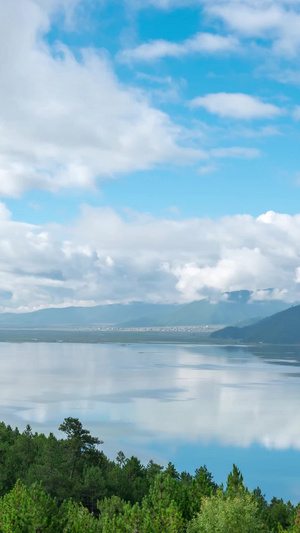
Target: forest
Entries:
(68, 485)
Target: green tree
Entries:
(235, 482)
(49, 468)
(262, 503)
(7, 474)
(153, 469)
(79, 441)
(92, 488)
(27, 510)
(120, 459)
(228, 514)
(129, 482)
(77, 519)
(19, 456)
(201, 485)
(296, 528)
(128, 521)
(161, 508)
(171, 471)
(280, 513)
(158, 512)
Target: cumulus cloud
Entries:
(275, 22)
(66, 121)
(236, 105)
(106, 257)
(201, 43)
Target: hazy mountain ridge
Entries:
(280, 328)
(236, 307)
(85, 316)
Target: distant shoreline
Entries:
(169, 335)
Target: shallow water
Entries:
(191, 405)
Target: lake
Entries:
(192, 405)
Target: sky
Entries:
(149, 150)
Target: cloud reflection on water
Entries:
(191, 394)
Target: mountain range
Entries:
(234, 307)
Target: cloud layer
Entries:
(66, 121)
(105, 257)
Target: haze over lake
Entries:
(193, 405)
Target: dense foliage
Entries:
(50, 485)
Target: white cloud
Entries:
(160, 4)
(236, 105)
(296, 112)
(276, 21)
(201, 43)
(263, 131)
(206, 169)
(5, 214)
(64, 122)
(285, 75)
(152, 51)
(248, 19)
(161, 259)
(297, 179)
(235, 152)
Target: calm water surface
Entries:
(192, 405)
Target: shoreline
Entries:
(180, 335)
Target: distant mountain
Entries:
(224, 312)
(86, 316)
(281, 328)
(247, 322)
(236, 307)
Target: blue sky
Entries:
(153, 117)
